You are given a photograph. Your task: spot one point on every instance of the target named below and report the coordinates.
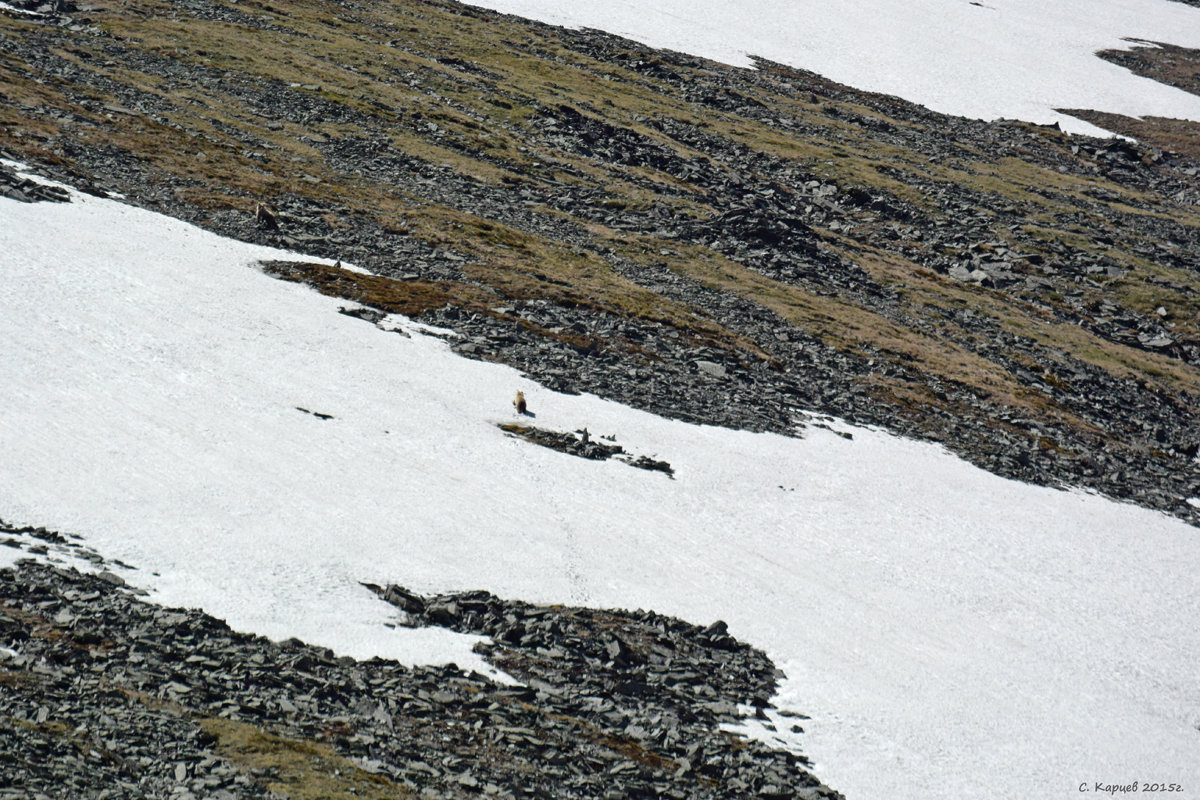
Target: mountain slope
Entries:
(757, 243)
(111, 694)
(1019, 59)
(252, 452)
(756, 250)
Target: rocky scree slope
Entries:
(714, 244)
(106, 695)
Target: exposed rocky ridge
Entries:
(24, 190)
(106, 696)
(609, 218)
(579, 443)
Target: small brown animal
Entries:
(519, 402)
(266, 217)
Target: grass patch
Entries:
(384, 101)
(294, 768)
(1173, 135)
(410, 298)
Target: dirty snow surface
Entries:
(953, 634)
(990, 59)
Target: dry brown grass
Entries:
(297, 769)
(1173, 135)
(410, 298)
(479, 115)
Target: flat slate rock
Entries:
(108, 696)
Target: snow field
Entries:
(951, 633)
(1018, 59)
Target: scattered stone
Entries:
(790, 220)
(24, 190)
(580, 444)
(106, 695)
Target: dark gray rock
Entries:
(109, 694)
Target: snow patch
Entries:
(22, 171)
(9, 556)
(14, 10)
(1019, 59)
(951, 633)
(768, 726)
(398, 322)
